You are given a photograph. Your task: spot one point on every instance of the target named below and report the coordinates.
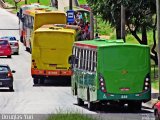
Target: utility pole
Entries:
(70, 5)
(158, 36)
(123, 22)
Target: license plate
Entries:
(124, 96)
(0, 83)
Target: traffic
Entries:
(60, 52)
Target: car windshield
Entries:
(9, 38)
(3, 42)
(3, 69)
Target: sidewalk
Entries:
(154, 98)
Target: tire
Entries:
(26, 49)
(41, 81)
(17, 53)
(35, 81)
(138, 105)
(156, 115)
(80, 102)
(91, 106)
(9, 56)
(21, 39)
(135, 106)
(11, 88)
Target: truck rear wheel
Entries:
(41, 80)
(11, 88)
(35, 81)
(80, 102)
(91, 106)
(135, 105)
(9, 56)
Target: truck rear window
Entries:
(4, 69)
(3, 42)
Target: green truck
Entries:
(111, 71)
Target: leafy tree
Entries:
(140, 17)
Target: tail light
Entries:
(147, 83)
(9, 74)
(102, 84)
(16, 44)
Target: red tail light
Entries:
(9, 74)
(16, 44)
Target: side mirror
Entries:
(13, 71)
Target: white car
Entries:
(14, 43)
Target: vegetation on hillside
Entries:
(82, 2)
(43, 2)
(69, 117)
(140, 18)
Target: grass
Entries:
(130, 38)
(43, 2)
(69, 117)
(104, 28)
(155, 84)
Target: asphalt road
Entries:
(27, 99)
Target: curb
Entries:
(151, 103)
(154, 99)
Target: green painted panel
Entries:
(145, 96)
(124, 67)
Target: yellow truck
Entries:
(51, 51)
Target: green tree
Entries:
(140, 17)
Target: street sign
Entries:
(17, 1)
(70, 16)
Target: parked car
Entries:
(13, 42)
(6, 77)
(157, 109)
(5, 48)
